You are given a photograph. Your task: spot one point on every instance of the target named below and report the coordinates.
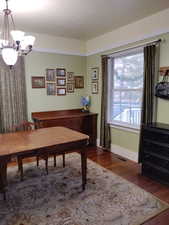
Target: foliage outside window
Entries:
(125, 89)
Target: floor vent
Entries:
(122, 159)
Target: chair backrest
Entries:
(25, 126)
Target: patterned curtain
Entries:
(13, 103)
(105, 137)
(151, 67)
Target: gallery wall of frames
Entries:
(58, 82)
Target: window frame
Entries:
(115, 123)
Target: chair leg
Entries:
(54, 157)
(20, 167)
(37, 161)
(63, 159)
(46, 165)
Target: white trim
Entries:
(98, 142)
(124, 43)
(130, 129)
(124, 152)
(55, 51)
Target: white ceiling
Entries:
(81, 19)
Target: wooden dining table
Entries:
(41, 141)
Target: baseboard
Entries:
(124, 152)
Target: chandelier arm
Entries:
(6, 4)
(13, 23)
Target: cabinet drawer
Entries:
(156, 173)
(156, 160)
(157, 148)
(158, 136)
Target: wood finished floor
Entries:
(131, 172)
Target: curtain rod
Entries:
(141, 45)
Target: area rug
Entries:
(58, 199)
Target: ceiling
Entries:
(81, 19)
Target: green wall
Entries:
(125, 138)
(36, 64)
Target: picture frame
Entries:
(79, 81)
(51, 88)
(38, 82)
(70, 87)
(95, 73)
(50, 75)
(95, 87)
(61, 91)
(61, 81)
(70, 76)
(61, 72)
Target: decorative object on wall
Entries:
(51, 88)
(50, 75)
(95, 73)
(70, 76)
(85, 102)
(38, 82)
(13, 42)
(79, 81)
(60, 72)
(61, 81)
(61, 91)
(163, 70)
(162, 87)
(95, 87)
(70, 87)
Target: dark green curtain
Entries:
(105, 137)
(13, 102)
(151, 66)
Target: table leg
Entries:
(84, 167)
(3, 177)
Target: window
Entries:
(125, 88)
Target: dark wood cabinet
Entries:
(155, 146)
(73, 118)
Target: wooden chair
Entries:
(26, 126)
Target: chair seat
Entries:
(26, 125)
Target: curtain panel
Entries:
(13, 102)
(149, 109)
(105, 137)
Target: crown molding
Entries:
(131, 41)
(104, 49)
(55, 51)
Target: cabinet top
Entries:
(156, 125)
(58, 114)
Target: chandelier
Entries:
(13, 43)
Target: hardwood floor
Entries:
(130, 171)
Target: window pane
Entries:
(127, 89)
(128, 71)
(127, 107)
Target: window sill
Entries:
(125, 128)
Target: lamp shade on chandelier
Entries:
(13, 43)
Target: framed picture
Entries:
(61, 82)
(70, 76)
(95, 73)
(95, 88)
(60, 72)
(38, 82)
(70, 87)
(61, 91)
(51, 88)
(79, 81)
(50, 75)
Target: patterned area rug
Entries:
(58, 199)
